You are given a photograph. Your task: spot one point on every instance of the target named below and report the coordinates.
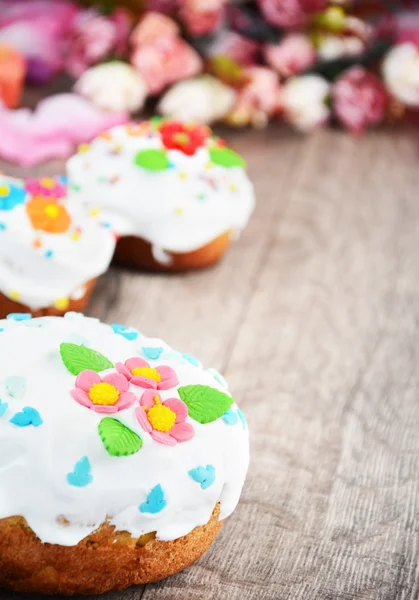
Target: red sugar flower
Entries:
(186, 138)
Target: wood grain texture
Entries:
(313, 317)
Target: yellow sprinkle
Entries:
(208, 165)
(14, 295)
(62, 303)
(94, 211)
(183, 175)
(178, 210)
(83, 148)
(75, 235)
(232, 187)
(4, 190)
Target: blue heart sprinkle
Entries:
(28, 416)
(152, 353)
(230, 417)
(219, 378)
(241, 417)
(19, 316)
(15, 386)
(49, 253)
(1, 329)
(82, 473)
(205, 476)
(127, 332)
(194, 361)
(3, 408)
(3, 227)
(155, 501)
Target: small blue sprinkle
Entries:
(3, 408)
(230, 417)
(106, 225)
(219, 378)
(127, 332)
(19, 316)
(1, 329)
(28, 416)
(15, 386)
(241, 417)
(205, 476)
(155, 501)
(152, 353)
(63, 179)
(82, 473)
(3, 226)
(49, 253)
(194, 361)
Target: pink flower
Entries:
(37, 29)
(257, 101)
(237, 47)
(46, 187)
(103, 395)
(92, 38)
(290, 13)
(160, 55)
(202, 17)
(164, 421)
(291, 56)
(122, 26)
(138, 372)
(360, 99)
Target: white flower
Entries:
(304, 101)
(401, 73)
(202, 100)
(113, 86)
(332, 47)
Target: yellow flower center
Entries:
(161, 418)
(52, 211)
(4, 191)
(147, 372)
(103, 393)
(181, 138)
(47, 182)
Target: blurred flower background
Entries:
(246, 63)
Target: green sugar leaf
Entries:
(205, 404)
(118, 439)
(79, 358)
(152, 160)
(226, 158)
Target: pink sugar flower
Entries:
(138, 372)
(360, 99)
(291, 55)
(46, 187)
(103, 395)
(164, 421)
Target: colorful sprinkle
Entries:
(11, 196)
(62, 303)
(14, 295)
(155, 501)
(28, 416)
(127, 332)
(191, 359)
(205, 476)
(3, 408)
(94, 211)
(15, 386)
(49, 254)
(152, 353)
(3, 226)
(178, 211)
(83, 148)
(19, 316)
(230, 417)
(81, 474)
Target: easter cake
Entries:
(174, 194)
(50, 252)
(119, 457)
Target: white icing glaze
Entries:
(38, 268)
(179, 209)
(35, 461)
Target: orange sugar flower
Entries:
(47, 215)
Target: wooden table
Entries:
(313, 317)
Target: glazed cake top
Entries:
(173, 184)
(48, 249)
(98, 422)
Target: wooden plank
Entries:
(325, 366)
